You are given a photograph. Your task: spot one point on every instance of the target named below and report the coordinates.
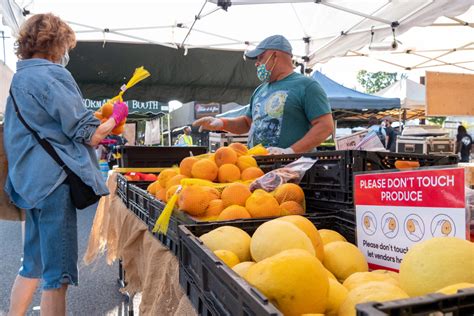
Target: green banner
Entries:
(134, 106)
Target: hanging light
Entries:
(383, 46)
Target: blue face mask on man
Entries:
(263, 74)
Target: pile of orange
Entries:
(105, 112)
(233, 167)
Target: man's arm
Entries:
(237, 125)
(323, 126)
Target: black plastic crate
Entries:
(123, 187)
(138, 211)
(155, 156)
(329, 183)
(459, 304)
(217, 284)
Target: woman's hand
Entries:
(119, 112)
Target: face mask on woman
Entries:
(263, 74)
(64, 59)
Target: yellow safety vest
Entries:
(188, 140)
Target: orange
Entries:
(240, 149)
(235, 193)
(107, 109)
(233, 212)
(161, 194)
(214, 209)
(228, 173)
(289, 192)
(204, 169)
(170, 191)
(251, 173)
(166, 175)
(118, 130)
(153, 187)
(174, 180)
(98, 115)
(291, 208)
(194, 200)
(225, 155)
(186, 165)
(262, 204)
(213, 193)
(244, 162)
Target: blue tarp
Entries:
(342, 98)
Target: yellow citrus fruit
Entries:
(330, 275)
(392, 274)
(204, 169)
(229, 238)
(359, 278)
(214, 208)
(262, 204)
(310, 230)
(228, 173)
(225, 155)
(228, 257)
(176, 180)
(165, 176)
(343, 259)
(251, 173)
(328, 235)
(244, 162)
(186, 165)
(242, 268)
(274, 236)
(435, 263)
(453, 289)
(372, 291)
(294, 279)
(235, 194)
(291, 208)
(336, 296)
(289, 192)
(233, 212)
(240, 149)
(153, 187)
(194, 200)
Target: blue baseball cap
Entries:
(276, 42)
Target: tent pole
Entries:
(169, 130)
(161, 131)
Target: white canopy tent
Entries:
(445, 45)
(318, 30)
(410, 93)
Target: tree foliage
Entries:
(375, 81)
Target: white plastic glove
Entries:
(210, 123)
(280, 151)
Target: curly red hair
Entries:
(45, 34)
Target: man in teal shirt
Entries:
(288, 113)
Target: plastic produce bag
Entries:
(291, 173)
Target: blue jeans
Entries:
(50, 249)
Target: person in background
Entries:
(114, 141)
(463, 144)
(374, 126)
(185, 139)
(390, 132)
(288, 113)
(50, 102)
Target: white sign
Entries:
(398, 209)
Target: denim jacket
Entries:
(51, 103)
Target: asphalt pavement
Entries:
(98, 291)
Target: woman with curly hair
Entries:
(50, 102)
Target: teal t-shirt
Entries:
(282, 111)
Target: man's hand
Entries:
(209, 123)
(280, 151)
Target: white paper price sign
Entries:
(395, 210)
